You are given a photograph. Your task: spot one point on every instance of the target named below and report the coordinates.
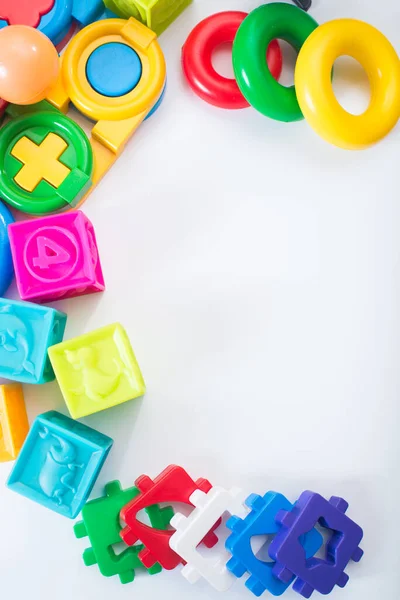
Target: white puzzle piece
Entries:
(192, 529)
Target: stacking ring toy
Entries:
(137, 87)
(197, 60)
(254, 78)
(317, 100)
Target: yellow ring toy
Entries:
(314, 90)
(149, 88)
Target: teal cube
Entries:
(59, 463)
(26, 333)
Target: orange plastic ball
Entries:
(29, 64)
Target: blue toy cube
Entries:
(26, 333)
(59, 463)
(262, 521)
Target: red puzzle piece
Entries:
(172, 485)
(24, 12)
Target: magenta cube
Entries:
(56, 257)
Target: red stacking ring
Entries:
(197, 60)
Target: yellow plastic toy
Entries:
(14, 424)
(314, 90)
(118, 116)
(97, 370)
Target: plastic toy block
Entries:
(97, 370)
(261, 521)
(56, 257)
(24, 12)
(315, 573)
(101, 524)
(156, 14)
(59, 463)
(171, 485)
(209, 507)
(26, 333)
(40, 162)
(14, 424)
(7, 269)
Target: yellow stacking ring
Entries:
(314, 91)
(149, 88)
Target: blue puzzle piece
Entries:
(261, 521)
(26, 332)
(6, 263)
(59, 463)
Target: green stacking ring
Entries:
(261, 90)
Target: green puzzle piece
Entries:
(101, 524)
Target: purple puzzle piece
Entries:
(315, 573)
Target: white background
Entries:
(256, 270)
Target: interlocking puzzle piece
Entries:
(315, 573)
(26, 333)
(209, 507)
(97, 370)
(156, 14)
(56, 257)
(7, 269)
(14, 424)
(59, 463)
(101, 524)
(46, 162)
(173, 484)
(261, 521)
(54, 18)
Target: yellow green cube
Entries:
(97, 370)
(156, 14)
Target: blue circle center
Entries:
(114, 69)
